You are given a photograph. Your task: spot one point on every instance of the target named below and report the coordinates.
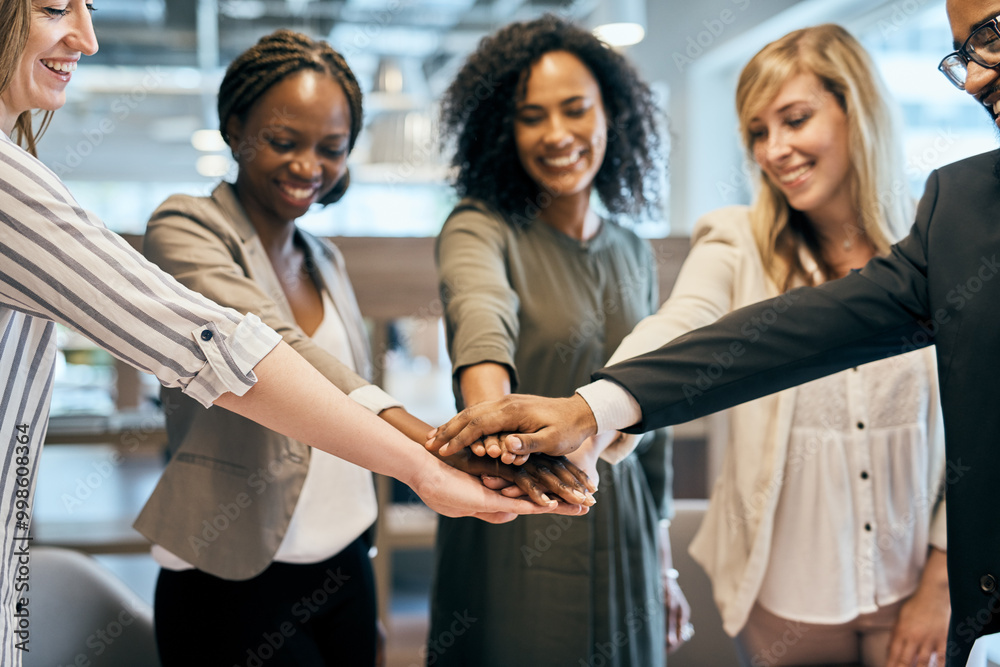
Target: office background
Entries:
(140, 124)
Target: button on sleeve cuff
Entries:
(230, 358)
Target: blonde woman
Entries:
(827, 517)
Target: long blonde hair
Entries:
(877, 176)
(15, 24)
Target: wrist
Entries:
(415, 467)
(583, 417)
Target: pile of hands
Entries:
(557, 482)
(513, 445)
(545, 448)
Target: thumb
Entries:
(524, 443)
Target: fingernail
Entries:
(545, 499)
(514, 444)
(433, 433)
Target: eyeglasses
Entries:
(982, 47)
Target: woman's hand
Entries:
(675, 605)
(678, 613)
(554, 426)
(921, 634)
(453, 493)
(538, 477)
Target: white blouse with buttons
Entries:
(853, 519)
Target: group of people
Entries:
(829, 512)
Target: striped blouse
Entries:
(58, 263)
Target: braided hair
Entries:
(479, 107)
(272, 59)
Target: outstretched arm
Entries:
(291, 397)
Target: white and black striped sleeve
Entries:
(59, 262)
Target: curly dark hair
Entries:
(478, 111)
(275, 57)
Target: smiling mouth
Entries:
(791, 177)
(563, 162)
(60, 67)
(298, 194)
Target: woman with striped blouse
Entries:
(59, 263)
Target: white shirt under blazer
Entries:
(890, 522)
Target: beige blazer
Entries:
(227, 495)
(724, 272)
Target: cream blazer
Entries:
(724, 272)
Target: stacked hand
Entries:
(539, 476)
(447, 489)
(554, 426)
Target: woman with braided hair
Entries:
(61, 264)
(272, 540)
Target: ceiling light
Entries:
(208, 141)
(213, 166)
(620, 22)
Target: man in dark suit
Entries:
(940, 285)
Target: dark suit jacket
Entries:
(939, 285)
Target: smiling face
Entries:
(982, 83)
(800, 141)
(292, 148)
(560, 127)
(61, 32)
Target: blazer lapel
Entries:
(337, 285)
(258, 263)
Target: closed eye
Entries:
(798, 121)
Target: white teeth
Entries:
(60, 66)
(788, 178)
(562, 161)
(299, 193)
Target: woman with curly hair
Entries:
(242, 516)
(539, 289)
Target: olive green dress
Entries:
(550, 591)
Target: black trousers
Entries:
(314, 615)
